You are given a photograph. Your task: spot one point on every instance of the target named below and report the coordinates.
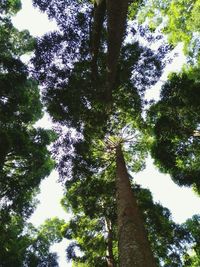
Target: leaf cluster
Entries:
(175, 118)
(169, 241)
(178, 19)
(24, 245)
(24, 157)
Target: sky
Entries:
(181, 201)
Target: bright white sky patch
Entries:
(181, 201)
(50, 196)
(175, 66)
(60, 248)
(45, 122)
(32, 19)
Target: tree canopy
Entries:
(175, 120)
(94, 71)
(24, 157)
(179, 20)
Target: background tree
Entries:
(24, 245)
(24, 158)
(193, 227)
(178, 19)
(175, 120)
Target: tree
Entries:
(24, 157)
(169, 242)
(179, 20)
(193, 226)
(75, 100)
(24, 245)
(176, 131)
(116, 21)
(86, 159)
(10, 7)
(175, 120)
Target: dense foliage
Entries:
(24, 245)
(94, 71)
(175, 119)
(24, 158)
(178, 19)
(90, 231)
(94, 82)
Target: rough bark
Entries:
(99, 15)
(110, 256)
(117, 13)
(134, 247)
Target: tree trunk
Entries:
(134, 247)
(109, 256)
(117, 13)
(99, 14)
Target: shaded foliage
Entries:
(24, 245)
(24, 157)
(193, 225)
(169, 241)
(175, 119)
(10, 6)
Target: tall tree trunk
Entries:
(99, 15)
(134, 247)
(117, 13)
(110, 256)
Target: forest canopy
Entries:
(92, 75)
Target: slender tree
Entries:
(117, 15)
